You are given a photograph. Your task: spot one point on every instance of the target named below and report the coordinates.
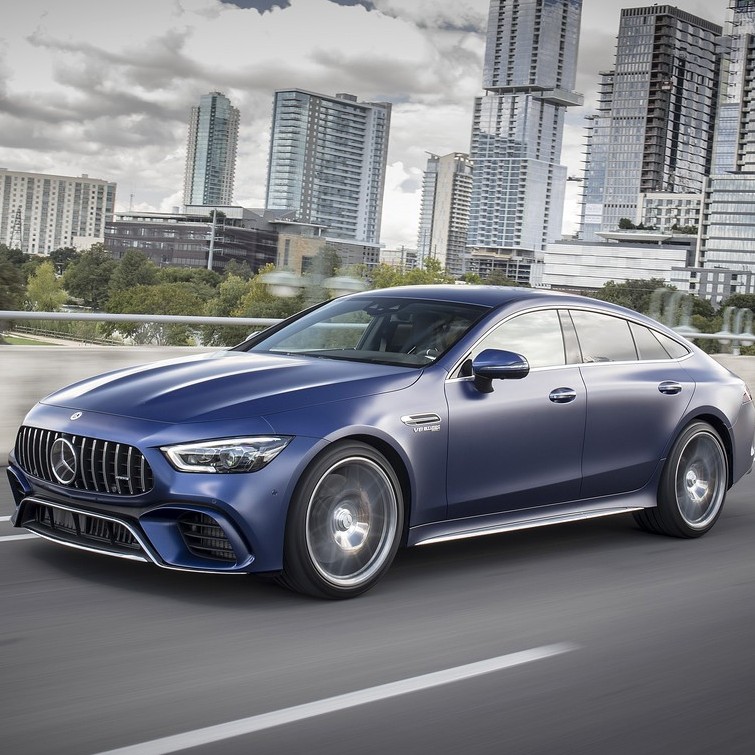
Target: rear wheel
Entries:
(344, 525)
(693, 485)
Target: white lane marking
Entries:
(4, 518)
(17, 537)
(212, 734)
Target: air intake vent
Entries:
(205, 538)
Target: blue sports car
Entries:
(406, 416)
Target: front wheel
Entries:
(345, 523)
(693, 485)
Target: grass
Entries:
(19, 341)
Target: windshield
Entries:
(412, 332)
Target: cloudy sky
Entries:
(104, 87)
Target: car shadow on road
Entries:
(539, 550)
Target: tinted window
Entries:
(675, 349)
(412, 332)
(535, 335)
(648, 346)
(603, 338)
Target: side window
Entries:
(654, 345)
(675, 349)
(535, 335)
(603, 338)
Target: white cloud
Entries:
(104, 87)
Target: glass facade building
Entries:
(327, 162)
(727, 236)
(652, 130)
(444, 216)
(529, 75)
(211, 151)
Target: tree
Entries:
(88, 277)
(499, 278)
(63, 257)
(226, 302)
(634, 294)
(11, 286)
(199, 276)
(625, 224)
(44, 290)
(133, 269)
(741, 301)
(159, 299)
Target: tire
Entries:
(693, 485)
(344, 524)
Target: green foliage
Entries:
(471, 278)
(44, 291)
(741, 301)
(498, 278)
(159, 299)
(634, 294)
(88, 277)
(226, 302)
(239, 269)
(199, 276)
(133, 269)
(387, 276)
(325, 263)
(63, 257)
(625, 224)
(11, 286)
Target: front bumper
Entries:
(230, 523)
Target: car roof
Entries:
(490, 296)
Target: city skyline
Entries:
(106, 89)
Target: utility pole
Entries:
(212, 239)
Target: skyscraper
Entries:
(444, 216)
(211, 151)
(529, 75)
(729, 206)
(327, 161)
(652, 130)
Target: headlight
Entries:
(229, 455)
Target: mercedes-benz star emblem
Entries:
(63, 461)
(75, 415)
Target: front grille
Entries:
(205, 538)
(80, 528)
(102, 466)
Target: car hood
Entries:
(228, 385)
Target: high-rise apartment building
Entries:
(327, 161)
(444, 214)
(40, 213)
(211, 151)
(652, 129)
(529, 76)
(728, 217)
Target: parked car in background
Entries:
(405, 416)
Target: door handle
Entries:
(562, 395)
(670, 387)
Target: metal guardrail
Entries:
(14, 316)
(723, 336)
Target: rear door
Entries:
(637, 392)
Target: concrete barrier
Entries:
(27, 373)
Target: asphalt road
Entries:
(637, 644)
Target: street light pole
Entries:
(212, 239)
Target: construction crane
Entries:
(14, 242)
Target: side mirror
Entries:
(495, 364)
